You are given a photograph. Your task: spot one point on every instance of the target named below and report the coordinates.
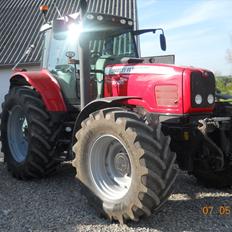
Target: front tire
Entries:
(127, 165)
(27, 134)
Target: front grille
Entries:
(203, 85)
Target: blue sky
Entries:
(198, 32)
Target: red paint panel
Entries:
(147, 81)
(48, 88)
(143, 85)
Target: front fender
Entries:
(46, 85)
(98, 104)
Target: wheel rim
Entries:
(110, 168)
(17, 132)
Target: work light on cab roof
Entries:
(44, 10)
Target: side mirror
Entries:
(59, 27)
(83, 7)
(163, 42)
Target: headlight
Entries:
(198, 99)
(210, 99)
(123, 21)
(100, 17)
(74, 30)
(130, 23)
(90, 16)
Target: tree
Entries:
(224, 84)
(229, 53)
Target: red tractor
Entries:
(119, 119)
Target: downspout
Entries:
(136, 26)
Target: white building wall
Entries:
(5, 75)
(4, 83)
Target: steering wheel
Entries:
(95, 54)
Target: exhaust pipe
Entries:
(83, 47)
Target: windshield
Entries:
(106, 48)
(116, 45)
(119, 45)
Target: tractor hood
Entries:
(162, 88)
(151, 68)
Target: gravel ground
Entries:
(55, 204)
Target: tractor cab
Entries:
(101, 39)
(108, 39)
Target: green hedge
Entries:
(224, 84)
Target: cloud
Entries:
(196, 31)
(188, 35)
(148, 3)
(198, 13)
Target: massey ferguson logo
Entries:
(142, 69)
(118, 70)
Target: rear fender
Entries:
(45, 84)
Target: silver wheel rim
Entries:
(110, 168)
(17, 129)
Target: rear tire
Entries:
(142, 160)
(203, 166)
(28, 134)
(211, 179)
